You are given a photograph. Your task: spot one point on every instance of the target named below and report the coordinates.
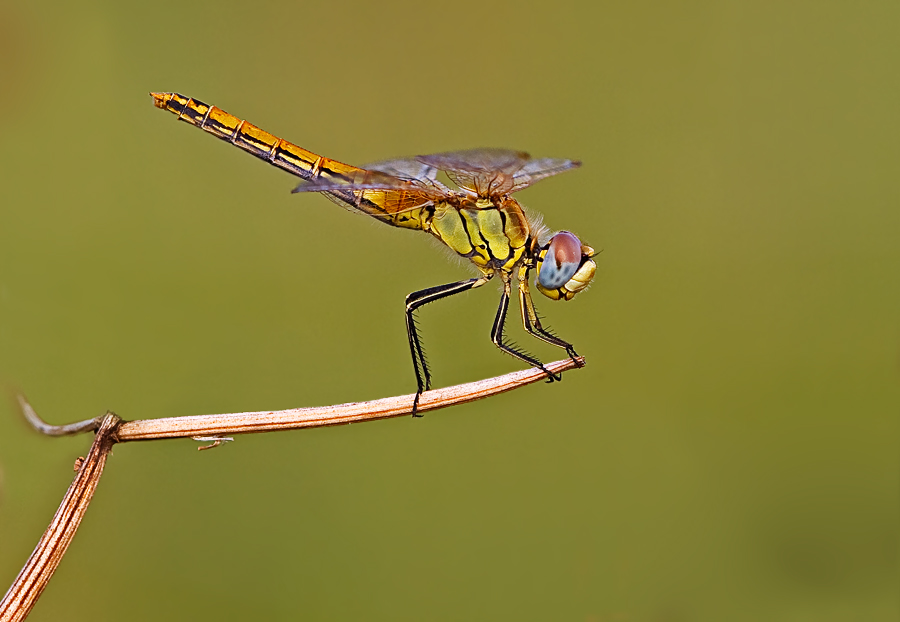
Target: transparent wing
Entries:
(490, 172)
(477, 160)
(405, 168)
(411, 169)
(367, 179)
(360, 179)
(377, 194)
(541, 168)
(401, 205)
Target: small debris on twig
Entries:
(216, 441)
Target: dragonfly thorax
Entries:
(493, 237)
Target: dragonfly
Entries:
(478, 219)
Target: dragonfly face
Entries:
(480, 220)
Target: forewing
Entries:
(495, 171)
(405, 168)
(536, 170)
(411, 169)
(477, 160)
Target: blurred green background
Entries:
(729, 453)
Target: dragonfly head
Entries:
(565, 266)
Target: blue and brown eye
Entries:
(561, 261)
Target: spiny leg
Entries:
(532, 322)
(413, 302)
(499, 340)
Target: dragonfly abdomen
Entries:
(397, 209)
(302, 163)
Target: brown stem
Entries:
(295, 418)
(39, 568)
(36, 573)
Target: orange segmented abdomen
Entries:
(305, 164)
(397, 207)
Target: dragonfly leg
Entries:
(500, 341)
(532, 322)
(413, 302)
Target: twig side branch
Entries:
(296, 418)
(55, 430)
(39, 568)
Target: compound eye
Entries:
(561, 260)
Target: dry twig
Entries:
(110, 429)
(36, 573)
